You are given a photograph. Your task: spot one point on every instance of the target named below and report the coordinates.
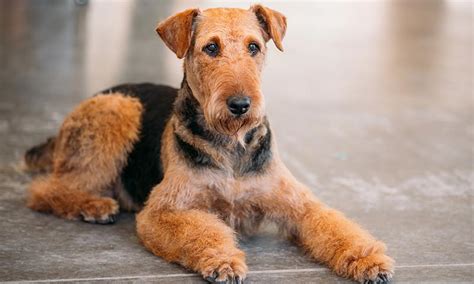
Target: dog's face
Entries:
(224, 52)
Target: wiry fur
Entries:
(218, 174)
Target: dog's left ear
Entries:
(272, 22)
(176, 31)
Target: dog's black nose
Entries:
(238, 105)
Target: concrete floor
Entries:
(371, 103)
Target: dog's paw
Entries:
(215, 278)
(382, 278)
(372, 269)
(225, 269)
(102, 210)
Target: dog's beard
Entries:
(233, 126)
(219, 118)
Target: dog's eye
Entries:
(253, 48)
(211, 49)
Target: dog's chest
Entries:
(243, 216)
(234, 201)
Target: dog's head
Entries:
(224, 51)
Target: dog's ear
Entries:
(176, 31)
(272, 22)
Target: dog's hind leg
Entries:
(89, 154)
(51, 195)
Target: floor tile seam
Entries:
(158, 276)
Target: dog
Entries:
(199, 163)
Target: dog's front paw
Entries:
(383, 277)
(372, 269)
(225, 269)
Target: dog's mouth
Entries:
(232, 118)
(234, 125)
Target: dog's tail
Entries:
(40, 157)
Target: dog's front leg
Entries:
(195, 239)
(328, 235)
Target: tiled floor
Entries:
(371, 101)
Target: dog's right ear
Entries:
(176, 31)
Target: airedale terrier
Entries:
(202, 159)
